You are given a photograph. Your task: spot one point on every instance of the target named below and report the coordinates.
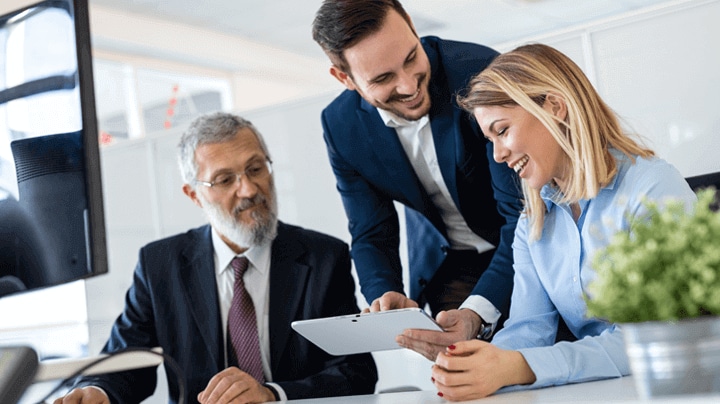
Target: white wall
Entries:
(660, 71)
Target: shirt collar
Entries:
(259, 256)
(393, 121)
(551, 194)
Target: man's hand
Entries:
(390, 301)
(459, 325)
(234, 385)
(85, 395)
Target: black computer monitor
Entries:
(52, 228)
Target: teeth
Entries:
(521, 164)
(412, 97)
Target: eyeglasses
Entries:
(256, 171)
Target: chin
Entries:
(413, 114)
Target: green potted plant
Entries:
(661, 282)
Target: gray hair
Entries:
(216, 127)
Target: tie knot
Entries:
(239, 265)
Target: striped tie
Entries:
(242, 326)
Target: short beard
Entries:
(263, 231)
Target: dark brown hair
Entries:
(340, 24)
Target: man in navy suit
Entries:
(397, 135)
(183, 287)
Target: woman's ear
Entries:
(556, 104)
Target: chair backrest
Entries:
(699, 182)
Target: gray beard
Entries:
(264, 230)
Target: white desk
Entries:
(620, 390)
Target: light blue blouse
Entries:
(552, 273)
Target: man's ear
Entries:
(557, 105)
(342, 77)
(192, 194)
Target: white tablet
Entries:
(363, 332)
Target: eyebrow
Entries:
(491, 128)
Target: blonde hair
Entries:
(525, 76)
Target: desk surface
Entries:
(620, 390)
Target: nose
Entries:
(407, 83)
(245, 188)
(500, 152)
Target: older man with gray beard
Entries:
(186, 299)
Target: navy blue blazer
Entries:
(173, 303)
(373, 171)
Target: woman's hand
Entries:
(474, 369)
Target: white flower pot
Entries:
(668, 358)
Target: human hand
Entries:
(459, 325)
(474, 369)
(390, 301)
(232, 385)
(84, 395)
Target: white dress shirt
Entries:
(417, 140)
(257, 284)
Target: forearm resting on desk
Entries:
(475, 369)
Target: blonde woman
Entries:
(583, 177)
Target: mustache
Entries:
(248, 203)
(396, 96)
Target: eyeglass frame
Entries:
(238, 177)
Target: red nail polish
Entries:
(440, 393)
(433, 379)
(451, 347)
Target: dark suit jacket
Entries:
(173, 303)
(373, 171)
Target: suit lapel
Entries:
(444, 133)
(198, 278)
(388, 150)
(288, 278)
(442, 122)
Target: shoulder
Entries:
(456, 61)
(650, 178)
(460, 49)
(347, 100)
(648, 172)
(178, 242)
(310, 238)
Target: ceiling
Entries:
(286, 24)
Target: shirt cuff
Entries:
(279, 392)
(483, 308)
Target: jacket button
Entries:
(445, 249)
(422, 282)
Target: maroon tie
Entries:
(242, 326)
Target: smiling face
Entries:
(524, 143)
(244, 214)
(390, 69)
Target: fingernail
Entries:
(433, 379)
(451, 347)
(440, 393)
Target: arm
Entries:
(305, 370)
(373, 225)
(496, 283)
(133, 328)
(522, 353)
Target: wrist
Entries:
(521, 372)
(273, 392)
(485, 330)
(477, 324)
